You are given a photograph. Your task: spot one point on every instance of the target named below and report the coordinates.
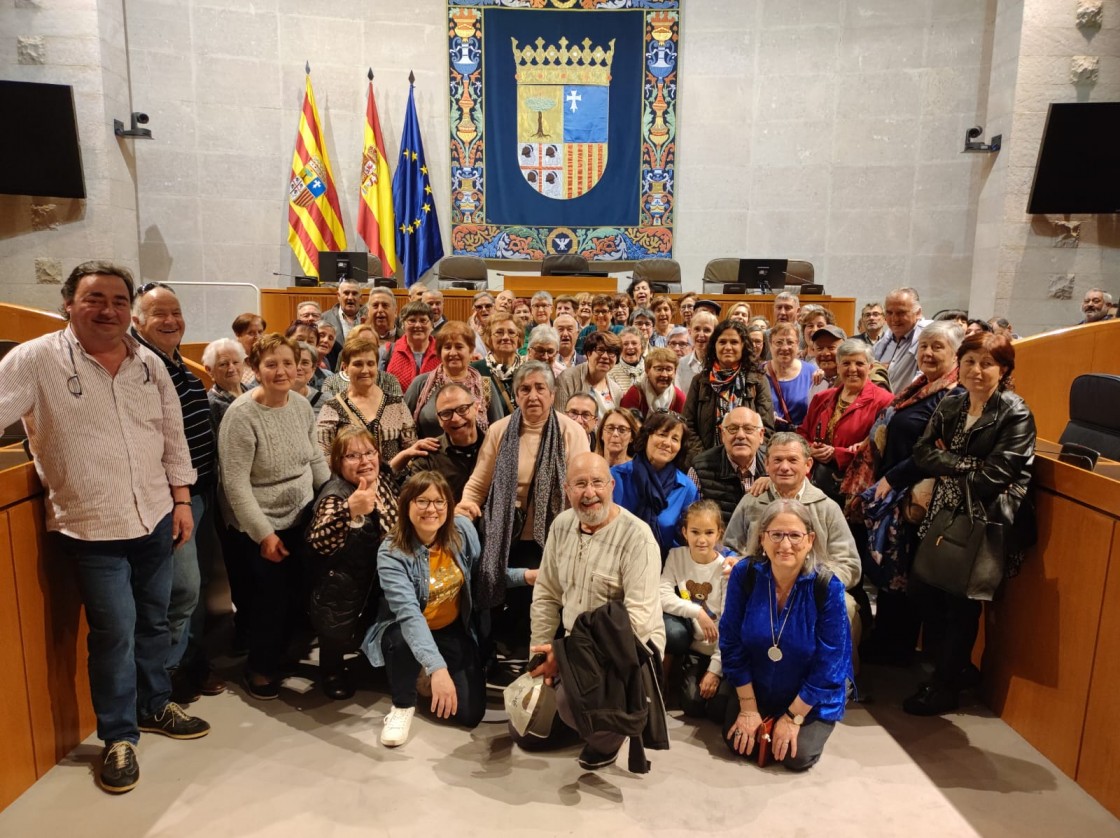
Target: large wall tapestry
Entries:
(563, 127)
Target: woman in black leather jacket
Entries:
(984, 440)
(354, 509)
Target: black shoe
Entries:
(931, 700)
(968, 678)
(173, 721)
(591, 760)
(337, 686)
(120, 772)
(262, 692)
(184, 688)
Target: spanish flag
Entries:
(314, 219)
(376, 221)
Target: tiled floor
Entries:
(303, 766)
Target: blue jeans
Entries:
(186, 583)
(125, 587)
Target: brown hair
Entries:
(242, 322)
(357, 346)
(808, 312)
(456, 329)
(999, 347)
(416, 308)
(602, 300)
(347, 434)
(663, 420)
(661, 355)
(630, 419)
(703, 507)
(70, 286)
(779, 329)
(602, 340)
(270, 343)
(404, 534)
(660, 299)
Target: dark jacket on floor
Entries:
(612, 681)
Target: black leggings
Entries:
(459, 652)
(950, 624)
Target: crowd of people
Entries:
(459, 501)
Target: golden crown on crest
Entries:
(563, 65)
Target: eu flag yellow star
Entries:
(427, 207)
(423, 169)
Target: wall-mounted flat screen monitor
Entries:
(39, 146)
(1078, 168)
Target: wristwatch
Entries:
(357, 522)
(796, 718)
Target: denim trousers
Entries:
(459, 652)
(125, 587)
(186, 587)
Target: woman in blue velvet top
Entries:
(653, 485)
(785, 641)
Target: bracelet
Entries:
(182, 503)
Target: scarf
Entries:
(547, 498)
(653, 489)
(503, 372)
(868, 461)
(655, 403)
(436, 381)
(730, 386)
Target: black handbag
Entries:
(961, 553)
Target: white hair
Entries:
(210, 353)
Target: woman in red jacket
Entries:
(840, 418)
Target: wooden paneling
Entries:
(1045, 366)
(526, 285)
(1098, 770)
(17, 769)
(54, 639)
(278, 305)
(20, 323)
(1042, 630)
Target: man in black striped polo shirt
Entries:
(158, 324)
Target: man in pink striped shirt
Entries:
(106, 431)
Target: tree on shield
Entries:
(540, 104)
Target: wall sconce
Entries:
(135, 132)
(971, 143)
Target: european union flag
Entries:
(418, 241)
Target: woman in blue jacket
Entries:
(424, 616)
(653, 485)
(784, 640)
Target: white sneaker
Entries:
(397, 723)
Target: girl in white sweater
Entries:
(692, 588)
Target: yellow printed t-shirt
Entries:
(445, 580)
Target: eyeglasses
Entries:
(462, 410)
(734, 429)
(679, 344)
(482, 306)
(597, 484)
(428, 503)
(616, 430)
(580, 414)
(151, 286)
(776, 537)
(358, 456)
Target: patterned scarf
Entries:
(730, 386)
(502, 372)
(547, 488)
(437, 379)
(654, 402)
(868, 462)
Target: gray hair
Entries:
(529, 368)
(379, 291)
(948, 330)
(543, 295)
(480, 295)
(632, 330)
(543, 334)
(138, 300)
(435, 292)
(787, 295)
(816, 559)
(210, 353)
(304, 346)
(854, 346)
(677, 331)
(642, 312)
(789, 438)
(311, 303)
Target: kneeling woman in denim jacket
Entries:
(424, 617)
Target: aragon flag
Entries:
(314, 219)
(376, 221)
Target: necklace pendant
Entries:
(774, 653)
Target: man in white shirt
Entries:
(897, 350)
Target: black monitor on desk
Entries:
(598, 274)
(766, 275)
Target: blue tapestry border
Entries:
(471, 234)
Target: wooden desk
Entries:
(1051, 634)
(278, 305)
(526, 285)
